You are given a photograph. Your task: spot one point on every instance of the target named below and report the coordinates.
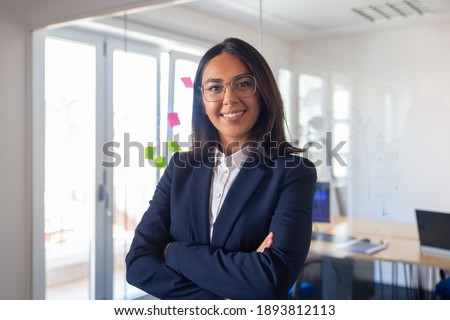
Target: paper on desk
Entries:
(366, 247)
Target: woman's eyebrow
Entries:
(214, 80)
(221, 80)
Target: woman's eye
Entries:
(215, 88)
(244, 84)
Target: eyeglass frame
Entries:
(225, 84)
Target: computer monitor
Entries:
(321, 204)
(433, 230)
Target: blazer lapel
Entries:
(240, 192)
(199, 204)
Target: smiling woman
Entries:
(233, 222)
(233, 112)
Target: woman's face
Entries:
(233, 116)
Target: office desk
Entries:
(420, 269)
(403, 240)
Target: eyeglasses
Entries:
(243, 86)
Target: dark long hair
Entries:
(268, 130)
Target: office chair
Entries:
(443, 286)
(309, 289)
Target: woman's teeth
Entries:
(231, 115)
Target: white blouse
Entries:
(224, 174)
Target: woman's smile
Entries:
(233, 116)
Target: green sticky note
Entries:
(160, 162)
(150, 153)
(174, 146)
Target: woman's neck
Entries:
(230, 147)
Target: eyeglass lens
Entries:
(243, 86)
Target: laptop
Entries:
(434, 231)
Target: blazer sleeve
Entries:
(252, 275)
(146, 266)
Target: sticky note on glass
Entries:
(173, 119)
(149, 152)
(174, 146)
(187, 82)
(160, 163)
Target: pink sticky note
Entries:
(187, 82)
(173, 119)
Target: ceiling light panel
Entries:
(394, 10)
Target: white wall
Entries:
(14, 173)
(400, 162)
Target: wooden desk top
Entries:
(402, 238)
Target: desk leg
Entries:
(417, 281)
(407, 285)
(394, 281)
(380, 270)
(420, 284)
(414, 268)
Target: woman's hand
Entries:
(165, 250)
(267, 242)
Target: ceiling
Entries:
(297, 20)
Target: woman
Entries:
(231, 218)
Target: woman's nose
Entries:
(229, 96)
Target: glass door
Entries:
(104, 104)
(135, 97)
(111, 106)
(70, 172)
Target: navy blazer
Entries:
(267, 195)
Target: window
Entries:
(106, 125)
(135, 97)
(312, 120)
(311, 115)
(69, 166)
(324, 120)
(341, 129)
(316, 120)
(184, 74)
(284, 83)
